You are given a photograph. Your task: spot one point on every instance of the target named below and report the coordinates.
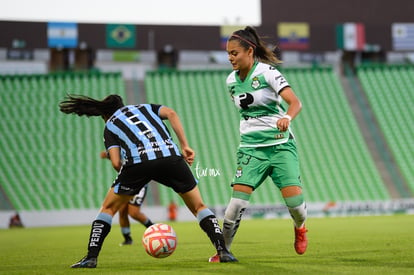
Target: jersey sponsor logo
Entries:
(125, 188)
(245, 100)
(281, 79)
(156, 146)
(97, 230)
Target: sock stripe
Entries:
(294, 201)
(126, 230)
(104, 217)
(241, 195)
(204, 213)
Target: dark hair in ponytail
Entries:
(84, 105)
(248, 37)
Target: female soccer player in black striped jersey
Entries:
(267, 144)
(141, 149)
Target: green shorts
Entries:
(280, 162)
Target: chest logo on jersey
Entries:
(255, 82)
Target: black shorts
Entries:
(138, 199)
(170, 171)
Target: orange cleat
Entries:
(223, 257)
(214, 259)
(301, 241)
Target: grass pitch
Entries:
(351, 245)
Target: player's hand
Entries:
(283, 124)
(188, 155)
(103, 155)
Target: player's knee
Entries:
(294, 201)
(195, 208)
(235, 209)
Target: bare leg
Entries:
(113, 202)
(134, 212)
(123, 216)
(124, 223)
(193, 201)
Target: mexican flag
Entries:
(350, 36)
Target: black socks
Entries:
(99, 231)
(212, 228)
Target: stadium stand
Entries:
(50, 161)
(330, 142)
(389, 89)
(41, 171)
(336, 164)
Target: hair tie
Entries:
(244, 39)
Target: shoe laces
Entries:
(300, 233)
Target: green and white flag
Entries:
(350, 36)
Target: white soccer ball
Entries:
(159, 240)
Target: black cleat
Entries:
(86, 263)
(226, 257)
(127, 242)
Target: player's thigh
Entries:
(175, 173)
(285, 163)
(250, 171)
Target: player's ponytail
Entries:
(84, 105)
(248, 37)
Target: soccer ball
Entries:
(159, 240)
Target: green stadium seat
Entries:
(389, 90)
(52, 160)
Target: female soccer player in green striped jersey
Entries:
(267, 144)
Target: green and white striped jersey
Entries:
(259, 104)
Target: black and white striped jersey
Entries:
(140, 133)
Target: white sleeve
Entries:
(276, 80)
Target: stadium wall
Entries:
(159, 213)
